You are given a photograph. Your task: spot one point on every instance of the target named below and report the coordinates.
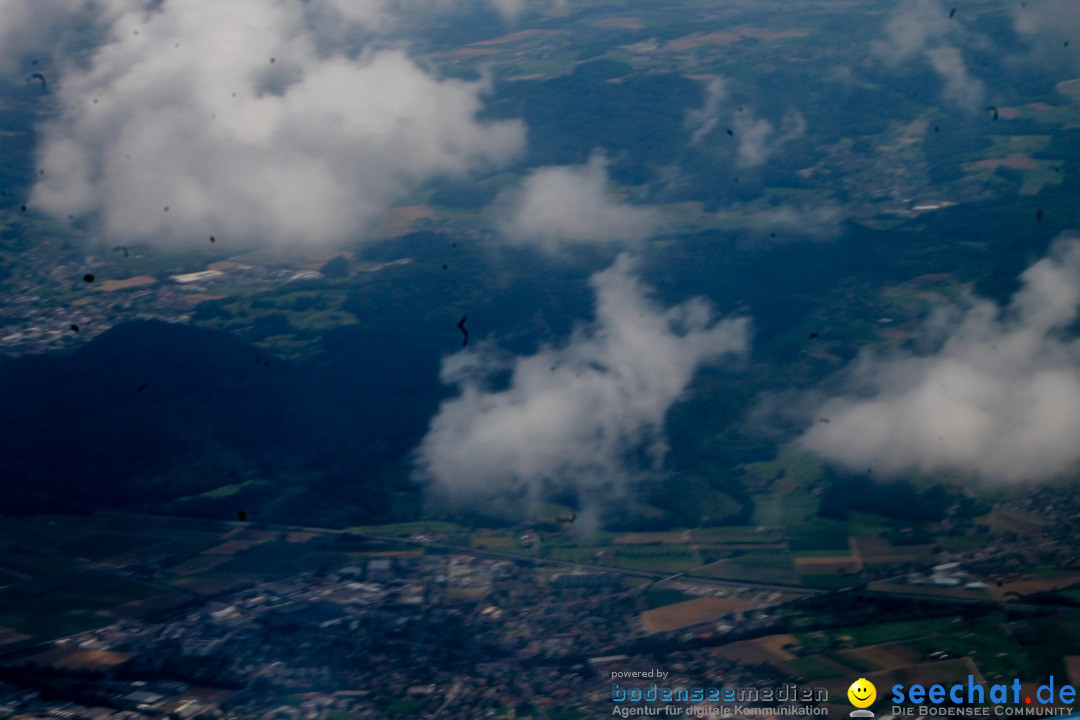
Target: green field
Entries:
(71, 609)
(98, 546)
(409, 528)
(860, 636)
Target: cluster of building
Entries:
(441, 635)
(55, 307)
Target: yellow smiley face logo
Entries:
(862, 693)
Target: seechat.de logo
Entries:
(862, 694)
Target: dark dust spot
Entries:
(444, 266)
(730, 132)
(166, 208)
(88, 277)
(813, 335)
(23, 208)
(772, 234)
(211, 238)
(241, 516)
(1039, 216)
(140, 388)
(74, 328)
(266, 364)
(271, 59)
(464, 332)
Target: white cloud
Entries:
(819, 221)
(759, 140)
(913, 27)
(1000, 397)
(922, 29)
(702, 121)
(574, 414)
(556, 207)
(509, 10)
(183, 108)
(31, 28)
(1043, 29)
(958, 87)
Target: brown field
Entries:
(196, 298)
(1030, 587)
(698, 39)
(768, 649)
(888, 656)
(776, 644)
(896, 334)
(200, 563)
(216, 583)
(666, 538)
(474, 52)
(417, 552)
(137, 281)
(825, 564)
(244, 533)
(755, 547)
(869, 545)
(689, 612)
(929, 590)
(399, 221)
(762, 34)
(892, 559)
(875, 549)
(1016, 161)
(514, 37)
(1069, 88)
(141, 608)
(836, 668)
(8, 636)
(624, 22)
(1015, 521)
(232, 547)
(926, 674)
(65, 659)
